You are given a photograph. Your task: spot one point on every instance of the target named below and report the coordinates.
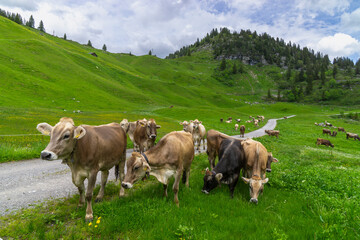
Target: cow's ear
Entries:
(264, 181)
(207, 171)
(275, 160)
(44, 128)
(146, 167)
(79, 132)
(158, 126)
(191, 121)
(200, 122)
(218, 177)
(246, 180)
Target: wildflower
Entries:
(90, 223)
(98, 221)
(96, 226)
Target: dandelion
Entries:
(98, 221)
(90, 223)
(96, 226)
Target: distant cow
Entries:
(227, 171)
(261, 118)
(256, 123)
(221, 120)
(87, 150)
(326, 131)
(236, 126)
(352, 135)
(172, 156)
(270, 160)
(242, 131)
(254, 172)
(238, 120)
(229, 118)
(198, 134)
(341, 129)
(334, 133)
(145, 134)
(321, 141)
(228, 121)
(188, 126)
(273, 133)
(129, 128)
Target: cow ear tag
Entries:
(145, 168)
(77, 136)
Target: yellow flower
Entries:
(96, 226)
(99, 218)
(98, 221)
(90, 223)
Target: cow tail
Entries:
(184, 177)
(117, 172)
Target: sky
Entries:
(329, 26)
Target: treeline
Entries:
(22, 21)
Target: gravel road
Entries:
(25, 183)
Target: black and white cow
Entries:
(227, 171)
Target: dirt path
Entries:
(25, 183)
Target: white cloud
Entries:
(325, 6)
(26, 5)
(339, 45)
(351, 21)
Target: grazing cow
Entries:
(326, 131)
(229, 119)
(198, 134)
(285, 117)
(341, 129)
(236, 126)
(352, 135)
(87, 150)
(255, 168)
(256, 123)
(321, 141)
(145, 134)
(227, 171)
(270, 160)
(238, 120)
(242, 130)
(273, 133)
(248, 121)
(334, 133)
(129, 128)
(172, 156)
(221, 120)
(188, 126)
(261, 118)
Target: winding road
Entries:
(26, 183)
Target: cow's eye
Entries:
(136, 167)
(66, 136)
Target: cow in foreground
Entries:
(352, 135)
(87, 150)
(273, 133)
(254, 172)
(227, 171)
(145, 134)
(321, 141)
(172, 156)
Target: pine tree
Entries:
(150, 53)
(278, 95)
(89, 43)
(322, 76)
(41, 26)
(234, 69)
(335, 71)
(104, 48)
(64, 36)
(269, 94)
(31, 22)
(223, 65)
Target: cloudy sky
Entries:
(137, 26)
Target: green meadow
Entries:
(312, 192)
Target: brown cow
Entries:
(188, 126)
(352, 135)
(334, 133)
(326, 131)
(341, 129)
(255, 168)
(198, 134)
(273, 133)
(172, 156)
(236, 126)
(87, 150)
(145, 134)
(270, 160)
(242, 131)
(129, 128)
(321, 141)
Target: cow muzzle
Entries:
(126, 185)
(48, 155)
(254, 200)
(152, 136)
(268, 169)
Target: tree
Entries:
(150, 53)
(335, 71)
(278, 95)
(269, 94)
(234, 69)
(41, 26)
(64, 36)
(31, 22)
(223, 65)
(322, 76)
(104, 48)
(89, 43)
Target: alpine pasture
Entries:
(313, 192)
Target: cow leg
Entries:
(211, 157)
(232, 186)
(79, 183)
(187, 175)
(104, 178)
(89, 194)
(176, 186)
(122, 173)
(203, 144)
(165, 190)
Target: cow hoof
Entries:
(88, 217)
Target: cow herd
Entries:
(89, 149)
(326, 142)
